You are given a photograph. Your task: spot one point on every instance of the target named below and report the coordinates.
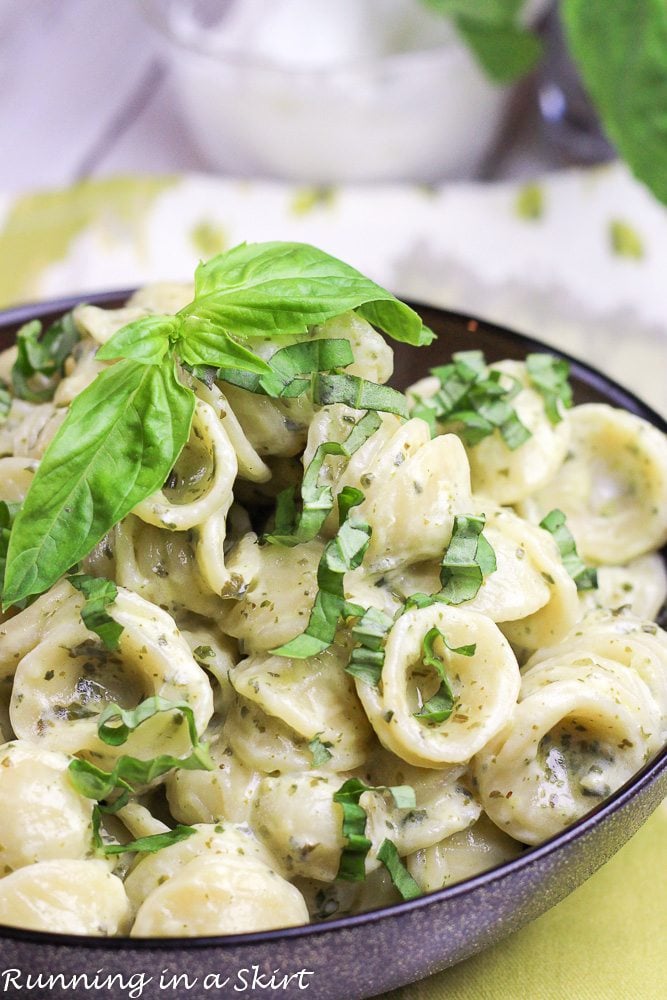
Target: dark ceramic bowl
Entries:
(365, 955)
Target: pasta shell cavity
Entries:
(485, 686)
(66, 678)
(202, 481)
(612, 486)
(583, 726)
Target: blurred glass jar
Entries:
(329, 91)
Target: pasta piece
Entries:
(29, 428)
(575, 737)
(66, 680)
(204, 476)
(158, 565)
(313, 697)
(413, 491)
(373, 357)
(296, 817)
(635, 643)
(15, 478)
(162, 297)
(228, 840)
(279, 589)
(612, 487)
(462, 855)
(444, 805)
(101, 324)
(485, 685)
(43, 817)
(640, 587)
(81, 369)
(217, 654)
(262, 742)
(250, 465)
(71, 897)
(225, 793)
(218, 895)
(529, 577)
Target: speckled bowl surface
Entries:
(366, 955)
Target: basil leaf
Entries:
(358, 393)
(463, 567)
(5, 402)
(320, 751)
(204, 343)
(352, 865)
(504, 51)
(344, 552)
(146, 339)
(42, 355)
(131, 718)
(550, 375)
(129, 773)
(316, 499)
(119, 442)
(399, 874)
(279, 289)
(585, 577)
(143, 845)
(621, 51)
(471, 396)
(441, 705)
(367, 658)
(99, 594)
(8, 512)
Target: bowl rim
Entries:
(642, 779)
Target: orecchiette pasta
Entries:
(286, 686)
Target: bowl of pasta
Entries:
(311, 647)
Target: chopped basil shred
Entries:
(5, 402)
(130, 772)
(398, 873)
(367, 658)
(142, 845)
(352, 865)
(467, 560)
(292, 528)
(473, 396)
(344, 552)
(99, 594)
(441, 705)
(585, 577)
(320, 750)
(550, 376)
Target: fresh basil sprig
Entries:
(99, 594)
(585, 577)
(352, 865)
(125, 431)
(344, 552)
(400, 876)
(292, 528)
